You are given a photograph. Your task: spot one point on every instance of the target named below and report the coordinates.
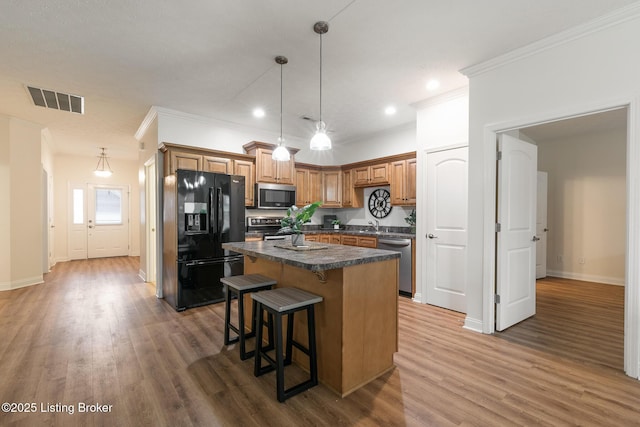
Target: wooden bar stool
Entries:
(279, 302)
(240, 285)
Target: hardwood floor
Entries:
(94, 333)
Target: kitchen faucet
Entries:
(376, 226)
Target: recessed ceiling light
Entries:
(433, 84)
(390, 110)
(258, 112)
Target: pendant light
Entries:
(320, 141)
(103, 169)
(281, 153)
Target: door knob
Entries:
(545, 230)
(431, 236)
(535, 239)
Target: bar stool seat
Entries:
(279, 302)
(241, 285)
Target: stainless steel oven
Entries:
(268, 226)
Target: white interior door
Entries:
(516, 240)
(151, 211)
(541, 225)
(446, 220)
(107, 221)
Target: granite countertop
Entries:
(333, 257)
(390, 234)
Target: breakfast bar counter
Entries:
(357, 321)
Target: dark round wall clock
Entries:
(380, 203)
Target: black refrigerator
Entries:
(207, 210)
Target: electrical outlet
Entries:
(581, 260)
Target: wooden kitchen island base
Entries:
(356, 323)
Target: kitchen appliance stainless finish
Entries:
(275, 196)
(404, 247)
(267, 225)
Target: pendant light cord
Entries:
(280, 104)
(321, 77)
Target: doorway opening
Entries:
(585, 159)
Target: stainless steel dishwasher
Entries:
(404, 247)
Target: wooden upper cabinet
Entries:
(332, 188)
(217, 164)
(403, 182)
(205, 160)
(184, 160)
(347, 188)
(367, 176)
(308, 182)
(246, 168)
(269, 170)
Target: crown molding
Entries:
(616, 17)
(146, 122)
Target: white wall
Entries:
(442, 121)
(5, 204)
(398, 140)
(21, 201)
(79, 169)
(589, 68)
(586, 205)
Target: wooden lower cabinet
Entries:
(343, 239)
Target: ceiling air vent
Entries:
(56, 100)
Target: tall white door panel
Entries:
(516, 240)
(446, 219)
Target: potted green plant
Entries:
(411, 220)
(295, 219)
(336, 224)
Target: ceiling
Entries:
(215, 58)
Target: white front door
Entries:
(446, 220)
(107, 221)
(541, 226)
(516, 241)
(77, 240)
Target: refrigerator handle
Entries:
(212, 212)
(219, 207)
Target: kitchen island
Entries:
(357, 321)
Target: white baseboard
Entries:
(473, 324)
(586, 277)
(23, 283)
(417, 297)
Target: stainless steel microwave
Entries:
(275, 196)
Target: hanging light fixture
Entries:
(320, 141)
(103, 169)
(281, 153)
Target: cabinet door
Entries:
(312, 237)
(335, 238)
(325, 238)
(349, 240)
(360, 175)
(379, 174)
(315, 186)
(331, 187)
(189, 161)
(302, 187)
(368, 242)
(217, 165)
(246, 169)
(411, 184)
(398, 181)
(347, 189)
(285, 172)
(266, 167)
